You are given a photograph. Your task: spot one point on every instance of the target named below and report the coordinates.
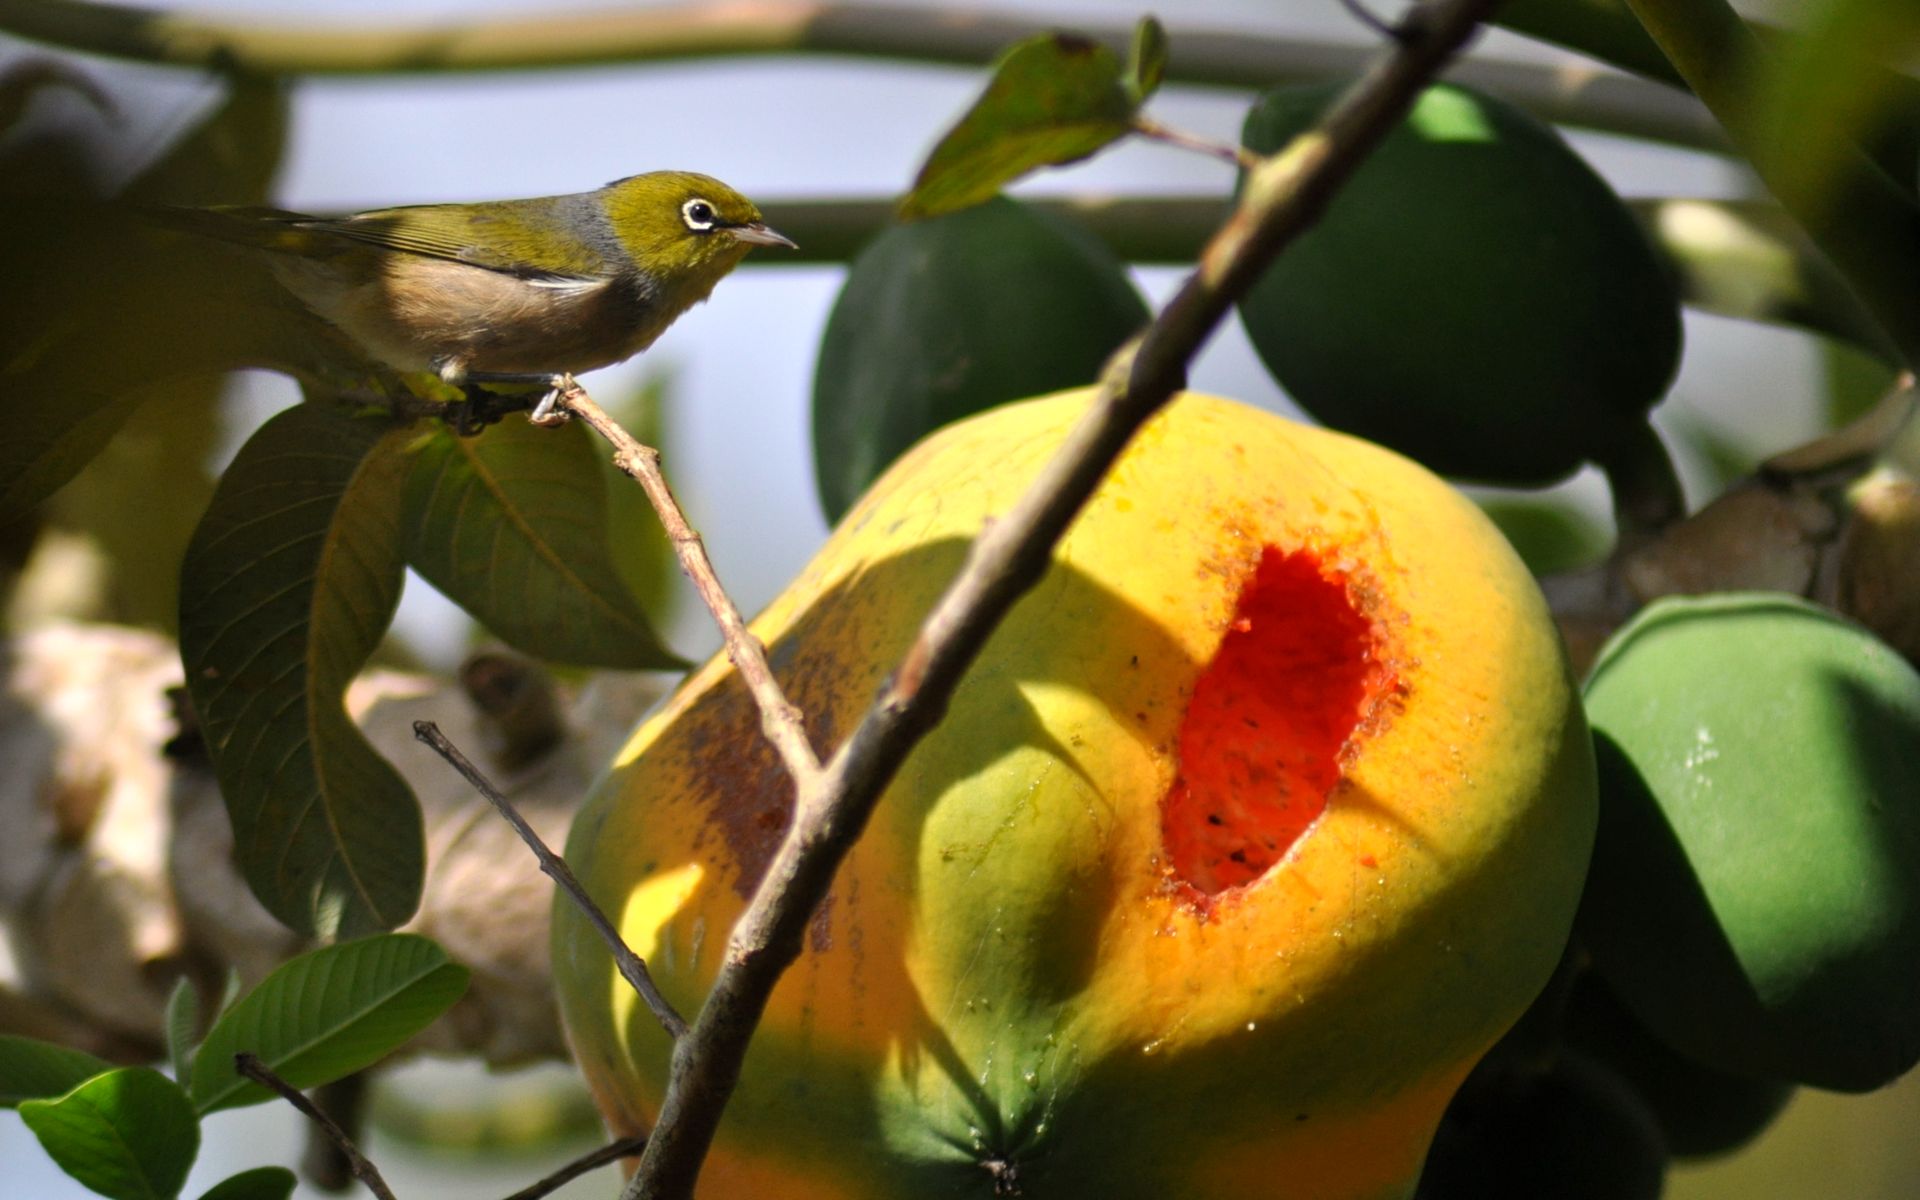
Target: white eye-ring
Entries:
(699, 215)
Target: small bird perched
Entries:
(507, 291)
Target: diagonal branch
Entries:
(1283, 196)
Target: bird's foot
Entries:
(552, 409)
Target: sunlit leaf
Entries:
(1053, 99)
(290, 581)
(31, 1069)
(513, 525)
(327, 1014)
(129, 1134)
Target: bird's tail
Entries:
(239, 224)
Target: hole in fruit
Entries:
(1297, 672)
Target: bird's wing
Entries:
(496, 236)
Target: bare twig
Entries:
(780, 721)
(1283, 196)
(363, 1170)
(611, 1152)
(632, 969)
(1234, 156)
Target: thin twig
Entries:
(1233, 156)
(1367, 17)
(632, 969)
(780, 720)
(611, 1152)
(363, 1170)
(1283, 196)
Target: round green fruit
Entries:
(1755, 894)
(1574, 1132)
(1253, 825)
(942, 318)
(1475, 297)
(1702, 1112)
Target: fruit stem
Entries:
(1647, 496)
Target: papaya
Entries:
(1254, 824)
(1478, 298)
(1755, 896)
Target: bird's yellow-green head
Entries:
(678, 225)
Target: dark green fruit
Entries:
(1475, 297)
(1577, 1132)
(943, 318)
(1755, 891)
(1701, 1112)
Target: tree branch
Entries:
(363, 1169)
(1595, 99)
(780, 721)
(1283, 196)
(632, 969)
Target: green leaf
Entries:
(231, 157)
(943, 318)
(1832, 90)
(183, 1023)
(326, 1014)
(31, 1069)
(513, 526)
(1053, 99)
(1146, 61)
(52, 432)
(129, 1134)
(261, 1183)
(288, 585)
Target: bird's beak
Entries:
(759, 235)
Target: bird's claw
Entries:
(551, 410)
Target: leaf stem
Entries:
(363, 1169)
(632, 968)
(611, 1152)
(1233, 156)
(1283, 196)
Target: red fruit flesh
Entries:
(1298, 672)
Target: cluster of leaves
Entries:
(131, 1133)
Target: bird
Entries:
(529, 291)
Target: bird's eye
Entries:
(699, 215)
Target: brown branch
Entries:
(780, 721)
(611, 1152)
(632, 969)
(363, 1170)
(1283, 196)
(956, 34)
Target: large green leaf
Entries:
(289, 583)
(327, 1014)
(129, 1134)
(943, 318)
(1053, 99)
(261, 1183)
(31, 1069)
(48, 440)
(514, 526)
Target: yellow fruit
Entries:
(1256, 822)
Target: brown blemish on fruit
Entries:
(1302, 677)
